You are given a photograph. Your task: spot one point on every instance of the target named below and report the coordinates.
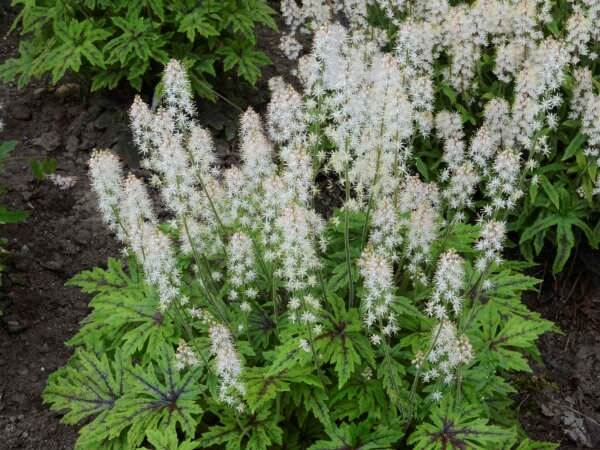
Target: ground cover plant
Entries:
(109, 41)
(538, 56)
(247, 319)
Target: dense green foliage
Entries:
(123, 376)
(108, 41)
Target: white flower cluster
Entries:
(490, 244)
(185, 356)
(372, 109)
(180, 154)
(304, 16)
(582, 29)
(447, 285)
(269, 209)
(127, 210)
(523, 55)
(228, 363)
(586, 106)
(450, 350)
(299, 229)
(377, 303)
(241, 265)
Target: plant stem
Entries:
(347, 240)
(314, 353)
(413, 389)
(371, 200)
(219, 308)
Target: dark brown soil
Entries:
(561, 401)
(64, 235)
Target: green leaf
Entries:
(198, 22)
(503, 342)
(565, 241)
(528, 444)
(158, 397)
(533, 191)
(124, 314)
(7, 216)
(541, 224)
(262, 386)
(169, 440)
(88, 386)
(550, 191)
(6, 148)
(575, 144)
(259, 432)
(362, 436)
(449, 427)
(422, 168)
(450, 93)
(41, 168)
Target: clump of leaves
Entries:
(109, 41)
(41, 168)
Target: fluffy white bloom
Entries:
(490, 243)
(177, 95)
(483, 147)
(201, 151)
(498, 120)
(586, 105)
(256, 150)
(285, 112)
(228, 364)
(448, 125)
(386, 229)
(155, 251)
(106, 175)
(297, 173)
(241, 265)
(416, 46)
(185, 356)
(423, 229)
(142, 126)
(449, 351)
(541, 76)
(299, 230)
(135, 209)
(378, 280)
(462, 186)
(448, 282)
(509, 60)
(290, 46)
(63, 182)
(580, 31)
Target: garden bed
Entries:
(64, 235)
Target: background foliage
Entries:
(109, 41)
(561, 208)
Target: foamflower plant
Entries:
(254, 317)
